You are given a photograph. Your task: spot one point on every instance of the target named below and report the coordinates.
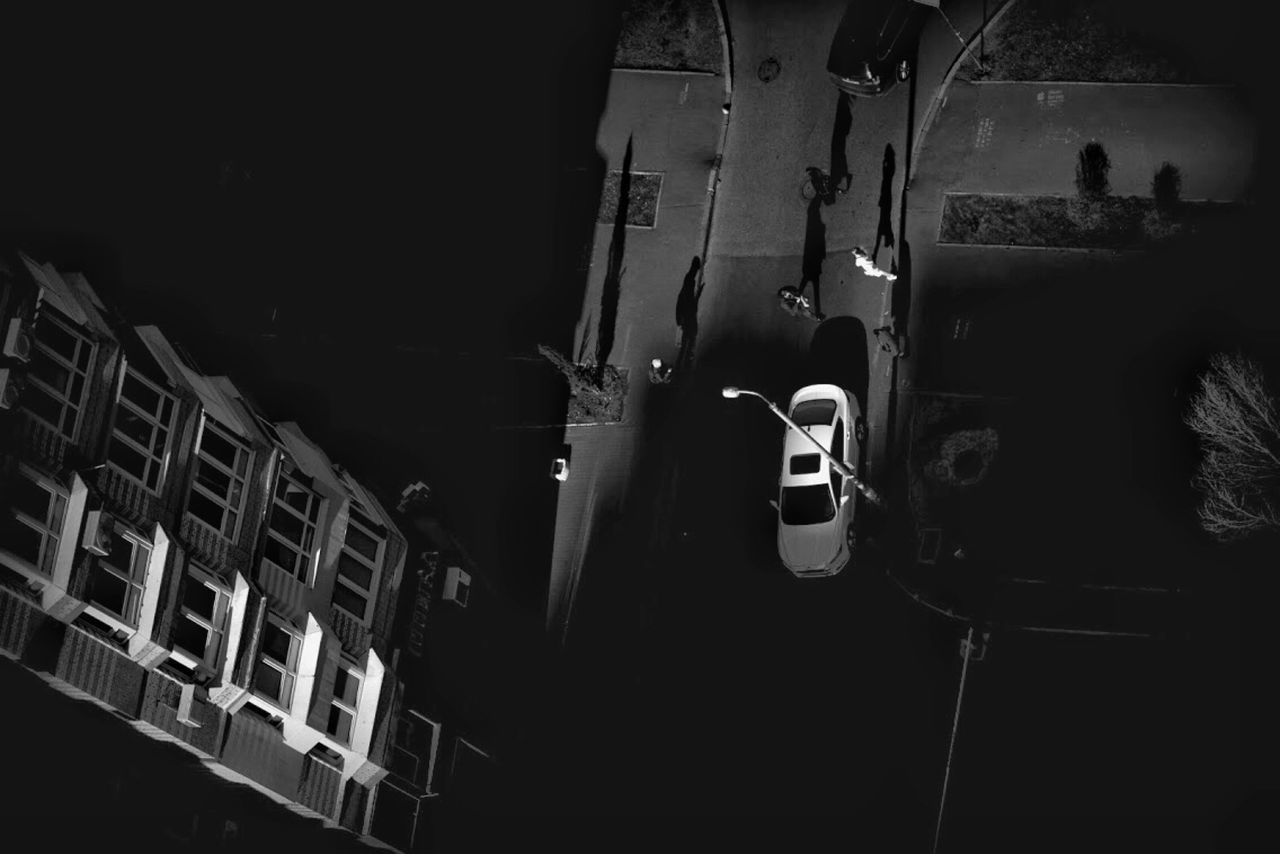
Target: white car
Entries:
(815, 503)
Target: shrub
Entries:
(1166, 188)
(597, 392)
(1092, 169)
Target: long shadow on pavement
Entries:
(612, 287)
(815, 251)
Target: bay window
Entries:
(57, 377)
(358, 565)
(202, 618)
(277, 668)
(292, 529)
(140, 431)
(346, 701)
(38, 507)
(217, 495)
(116, 580)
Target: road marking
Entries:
(1050, 101)
(985, 129)
(684, 93)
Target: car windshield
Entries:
(807, 505)
(811, 412)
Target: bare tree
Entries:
(1239, 475)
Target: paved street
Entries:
(689, 642)
(698, 676)
(687, 634)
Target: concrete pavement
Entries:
(673, 123)
(1022, 138)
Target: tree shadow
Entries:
(884, 230)
(687, 310)
(612, 288)
(839, 135)
(815, 250)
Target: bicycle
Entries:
(796, 304)
(818, 184)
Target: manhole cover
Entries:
(769, 70)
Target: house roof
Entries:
(216, 402)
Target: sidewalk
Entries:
(673, 122)
(1022, 138)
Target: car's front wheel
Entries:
(851, 538)
(860, 429)
(903, 70)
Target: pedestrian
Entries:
(890, 341)
(868, 266)
(659, 372)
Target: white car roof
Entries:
(796, 445)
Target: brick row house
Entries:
(168, 550)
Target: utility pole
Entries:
(967, 651)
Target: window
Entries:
(809, 413)
(140, 432)
(292, 530)
(346, 700)
(38, 508)
(197, 636)
(837, 451)
(805, 464)
(278, 663)
(115, 583)
(217, 494)
(807, 505)
(358, 565)
(414, 750)
(60, 363)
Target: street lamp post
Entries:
(732, 392)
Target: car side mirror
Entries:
(774, 504)
(844, 499)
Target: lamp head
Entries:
(730, 392)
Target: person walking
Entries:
(890, 340)
(659, 372)
(864, 262)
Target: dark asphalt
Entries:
(701, 678)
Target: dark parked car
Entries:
(875, 45)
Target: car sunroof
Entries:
(806, 463)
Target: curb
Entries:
(713, 179)
(679, 72)
(920, 600)
(939, 94)
(1118, 83)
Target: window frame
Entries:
(48, 314)
(154, 420)
(134, 587)
(222, 612)
(295, 652)
(208, 422)
(305, 564)
(375, 567)
(402, 744)
(50, 529)
(353, 671)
